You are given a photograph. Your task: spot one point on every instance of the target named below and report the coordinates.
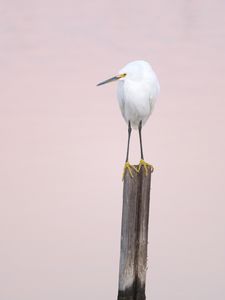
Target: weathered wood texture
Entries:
(134, 236)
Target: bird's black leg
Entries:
(128, 143)
(127, 165)
(142, 162)
(139, 129)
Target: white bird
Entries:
(137, 91)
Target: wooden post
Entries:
(134, 236)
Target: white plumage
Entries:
(137, 92)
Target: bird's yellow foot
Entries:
(146, 166)
(129, 167)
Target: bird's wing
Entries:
(120, 96)
(154, 93)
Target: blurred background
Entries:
(63, 144)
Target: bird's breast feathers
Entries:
(136, 100)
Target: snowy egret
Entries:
(137, 91)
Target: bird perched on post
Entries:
(137, 91)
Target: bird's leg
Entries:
(127, 164)
(142, 162)
(139, 129)
(128, 143)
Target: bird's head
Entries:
(135, 70)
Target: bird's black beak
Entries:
(109, 80)
(112, 79)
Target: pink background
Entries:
(63, 143)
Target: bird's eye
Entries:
(123, 75)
